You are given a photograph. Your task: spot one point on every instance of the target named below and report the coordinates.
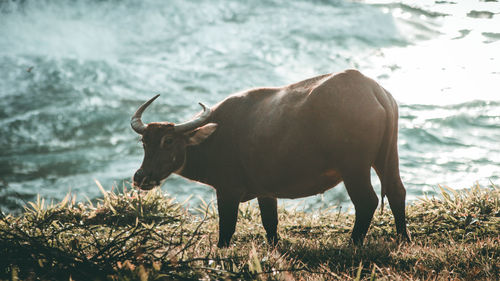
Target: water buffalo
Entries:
(287, 142)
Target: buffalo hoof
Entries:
(404, 237)
(223, 244)
(273, 240)
(357, 240)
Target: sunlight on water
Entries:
(460, 64)
(72, 73)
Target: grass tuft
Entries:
(146, 236)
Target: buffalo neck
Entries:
(195, 164)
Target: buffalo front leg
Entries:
(365, 202)
(227, 204)
(269, 215)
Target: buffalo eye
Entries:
(166, 141)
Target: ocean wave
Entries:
(72, 73)
(476, 113)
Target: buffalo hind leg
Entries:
(396, 194)
(228, 215)
(359, 187)
(269, 215)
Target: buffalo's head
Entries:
(165, 145)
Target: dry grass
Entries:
(134, 236)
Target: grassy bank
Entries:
(132, 236)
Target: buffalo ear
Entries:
(201, 134)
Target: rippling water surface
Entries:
(72, 73)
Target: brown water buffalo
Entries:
(287, 142)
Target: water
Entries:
(73, 72)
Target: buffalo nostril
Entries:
(139, 176)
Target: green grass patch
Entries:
(147, 236)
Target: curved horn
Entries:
(193, 124)
(136, 121)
